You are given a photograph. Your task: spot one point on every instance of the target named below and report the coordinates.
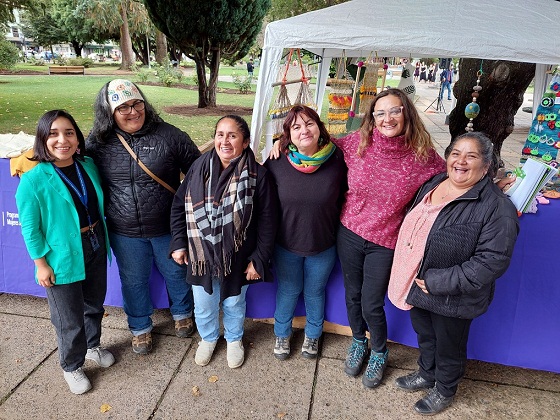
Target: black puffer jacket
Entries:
(136, 205)
(468, 248)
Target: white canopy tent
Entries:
(515, 30)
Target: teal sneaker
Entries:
(375, 368)
(356, 356)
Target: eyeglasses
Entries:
(393, 113)
(127, 109)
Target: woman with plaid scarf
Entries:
(223, 224)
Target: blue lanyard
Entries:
(83, 196)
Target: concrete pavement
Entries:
(166, 384)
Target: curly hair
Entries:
(41, 152)
(285, 139)
(104, 122)
(416, 136)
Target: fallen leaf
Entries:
(196, 391)
(213, 379)
(105, 407)
(281, 415)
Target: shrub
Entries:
(9, 54)
(143, 75)
(81, 61)
(167, 74)
(242, 83)
(34, 61)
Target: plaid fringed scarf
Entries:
(218, 209)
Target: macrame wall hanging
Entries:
(282, 104)
(340, 98)
(368, 88)
(473, 109)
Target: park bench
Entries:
(66, 70)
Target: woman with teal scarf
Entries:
(311, 178)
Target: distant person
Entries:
(446, 79)
(223, 225)
(250, 68)
(60, 205)
(139, 205)
(423, 75)
(417, 71)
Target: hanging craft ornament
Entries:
(340, 99)
(368, 88)
(473, 109)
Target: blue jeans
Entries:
(135, 257)
(295, 274)
(207, 313)
(445, 85)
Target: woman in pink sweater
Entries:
(388, 159)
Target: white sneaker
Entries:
(235, 354)
(101, 356)
(77, 381)
(204, 352)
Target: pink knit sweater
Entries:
(381, 184)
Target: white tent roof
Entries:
(516, 30)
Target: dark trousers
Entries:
(77, 308)
(366, 268)
(443, 348)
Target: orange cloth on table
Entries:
(21, 164)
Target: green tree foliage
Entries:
(282, 9)
(9, 54)
(6, 7)
(208, 31)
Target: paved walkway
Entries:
(166, 384)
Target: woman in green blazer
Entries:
(60, 204)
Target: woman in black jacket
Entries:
(453, 245)
(138, 206)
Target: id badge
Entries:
(93, 240)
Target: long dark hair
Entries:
(285, 140)
(103, 120)
(41, 152)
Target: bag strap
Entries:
(144, 167)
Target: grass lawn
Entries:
(23, 99)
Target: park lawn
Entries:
(23, 99)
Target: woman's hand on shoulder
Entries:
(275, 151)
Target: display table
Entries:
(521, 328)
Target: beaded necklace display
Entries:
(473, 109)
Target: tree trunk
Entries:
(207, 89)
(77, 48)
(503, 85)
(161, 47)
(126, 43)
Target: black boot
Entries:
(413, 382)
(433, 403)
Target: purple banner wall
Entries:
(521, 328)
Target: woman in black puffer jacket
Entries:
(452, 246)
(138, 207)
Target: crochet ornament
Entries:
(406, 83)
(543, 140)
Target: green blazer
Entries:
(50, 223)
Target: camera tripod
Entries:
(439, 106)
